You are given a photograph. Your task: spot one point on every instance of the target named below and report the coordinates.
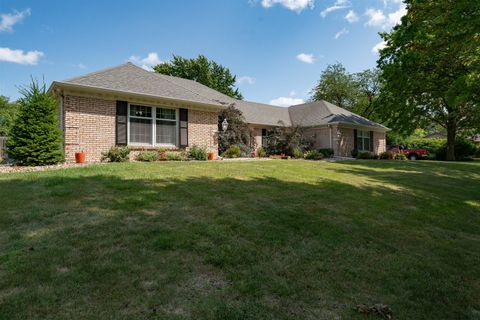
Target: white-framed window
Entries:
(152, 126)
(363, 140)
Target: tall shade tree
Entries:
(35, 138)
(204, 71)
(368, 88)
(8, 112)
(431, 68)
(356, 92)
(336, 86)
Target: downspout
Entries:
(331, 142)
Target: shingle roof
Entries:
(263, 114)
(132, 79)
(323, 113)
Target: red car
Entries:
(412, 154)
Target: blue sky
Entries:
(277, 48)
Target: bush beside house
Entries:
(117, 154)
(236, 134)
(285, 140)
(233, 152)
(35, 138)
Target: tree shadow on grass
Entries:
(101, 246)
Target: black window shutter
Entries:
(121, 123)
(183, 128)
(264, 132)
(355, 135)
(371, 141)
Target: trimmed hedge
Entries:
(313, 155)
(327, 152)
(116, 154)
(233, 152)
(148, 156)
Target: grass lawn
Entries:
(241, 240)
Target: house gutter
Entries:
(361, 126)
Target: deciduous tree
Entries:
(336, 86)
(8, 112)
(431, 68)
(204, 71)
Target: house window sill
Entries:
(152, 148)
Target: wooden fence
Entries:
(3, 147)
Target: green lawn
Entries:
(241, 240)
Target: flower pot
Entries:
(80, 157)
(211, 156)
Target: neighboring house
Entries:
(129, 106)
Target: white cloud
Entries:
(306, 58)
(294, 5)
(377, 18)
(245, 80)
(18, 56)
(352, 16)
(395, 18)
(387, 2)
(148, 62)
(8, 20)
(338, 5)
(340, 33)
(286, 101)
(379, 46)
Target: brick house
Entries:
(129, 106)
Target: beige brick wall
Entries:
(89, 126)
(319, 136)
(343, 141)
(202, 127)
(379, 142)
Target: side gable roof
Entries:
(323, 113)
(263, 114)
(131, 79)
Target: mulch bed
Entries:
(12, 168)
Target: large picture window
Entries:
(363, 140)
(152, 125)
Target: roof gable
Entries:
(324, 113)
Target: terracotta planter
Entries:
(80, 157)
(211, 156)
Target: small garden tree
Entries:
(237, 132)
(35, 138)
(285, 139)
